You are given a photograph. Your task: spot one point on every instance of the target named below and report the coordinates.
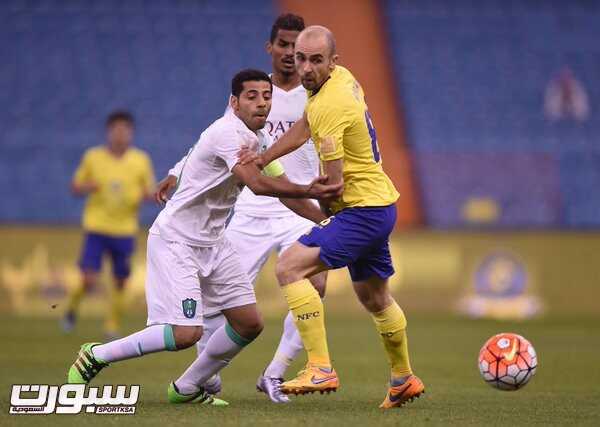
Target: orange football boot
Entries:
(398, 395)
(312, 378)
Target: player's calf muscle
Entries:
(373, 294)
(319, 281)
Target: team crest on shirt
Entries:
(189, 307)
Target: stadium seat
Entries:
(472, 76)
(168, 61)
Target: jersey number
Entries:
(373, 135)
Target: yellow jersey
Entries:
(122, 182)
(341, 128)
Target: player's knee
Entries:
(120, 284)
(89, 280)
(286, 271)
(252, 328)
(256, 328)
(375, 302)
(186, 336)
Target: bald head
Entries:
(315, 57)
(318, 35)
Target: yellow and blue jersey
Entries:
(341, 128)
(123, 181)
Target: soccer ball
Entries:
(507, 361)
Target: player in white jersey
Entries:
(262, 225)
(192, 268)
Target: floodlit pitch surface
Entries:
(444, 353)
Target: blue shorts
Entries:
(357, 238)
(120, 250)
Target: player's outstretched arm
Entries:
(266, 186)
(303, 207)
(295, 136)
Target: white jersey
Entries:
(301, 166)
(207, 190)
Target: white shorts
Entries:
(255, 238)
(185, 283)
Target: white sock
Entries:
(211, 324)
(150, 340)
(289, 347)
(223, 345)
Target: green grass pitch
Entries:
(444, 350)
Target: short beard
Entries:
(286, 73)
(309, 88)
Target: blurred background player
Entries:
(260, 224)
(115, 178)
(357, 236)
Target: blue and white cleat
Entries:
(271, 387)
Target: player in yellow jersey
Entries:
(356, 235)
(115, 178)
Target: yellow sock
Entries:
(391, 324)
(75, 298)
(309, 316)
(113, 321)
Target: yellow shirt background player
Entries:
(122, 182)
(115, 178)
(341, 128)
(337, 119)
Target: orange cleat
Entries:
(400, 394)
(312, 378)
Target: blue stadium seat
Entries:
(66, 65)
(472, 76)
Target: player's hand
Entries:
(85, 188)
(246, 156)
(89, 187)
(164, 188)
(318, 189)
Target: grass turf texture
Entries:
(444, 353)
